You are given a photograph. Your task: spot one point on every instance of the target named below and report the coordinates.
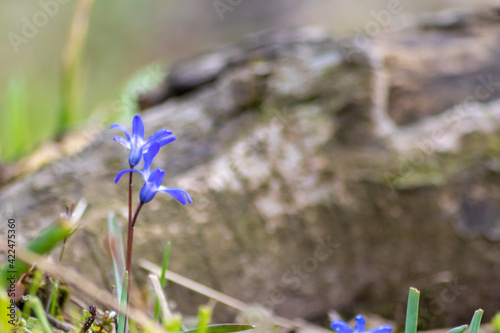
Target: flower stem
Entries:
(130, 241)
(137, 214)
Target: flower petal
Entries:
(165, 141)
(159, 177)
(381, 329)
(121, 173)
(138, 127)
(148, 192)
(181, 195)
(150, 155)
(160, 134)
(340, 326)
(360, 323)
(162, 142)
(120, 127)
(122, 141)
(135, 155)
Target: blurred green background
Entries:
(127, 35)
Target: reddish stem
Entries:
(137, 214)
(130, 240)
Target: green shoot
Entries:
(52, 303)
(476, 321)
(204, 314)
(115, 241)
(35, 303)
(412, 311)
(163, 280)
(35, 284)
(459, 329)
(123, 305)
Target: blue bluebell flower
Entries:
(341, 327)
(135, 141)
(154, 179)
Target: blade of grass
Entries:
(51, 305)
(40, 314)
(163, 280)
(115, 240)
(459, 329)
(71, 80)
(35, 285)
(15, 130)
(412, 311)
(476, 321)
(123, 301)
(160, 296)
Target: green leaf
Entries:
(115, 242)
(223, 328)
(123, 305)
(51, 305)
(160, 296)
(35, 285)
(40, 313)
(163, 280)
(412, 311)
(459, 329)
(476, 321)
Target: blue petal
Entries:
(160, 134)
(165, 141)
(159, 177)
(135, 155)
(120, 127)
(149, 189)
(341, 327)
(360, 323)
(148, 192)
(121, 173)
(122, 141)
(138, 127)
(181, 195)
(150, 155)
(381, 329)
